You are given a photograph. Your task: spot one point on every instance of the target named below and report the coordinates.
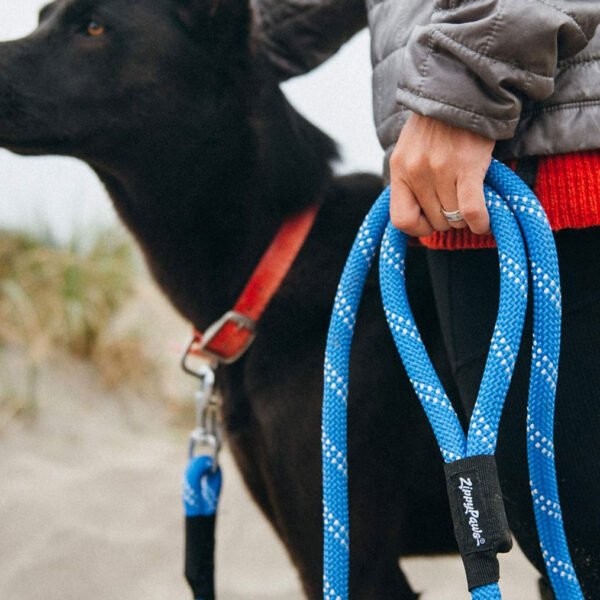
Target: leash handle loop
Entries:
(507, 197)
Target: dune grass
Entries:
(53, 296)
(58, 298)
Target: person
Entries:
(456, 82)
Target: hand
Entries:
(435, 166)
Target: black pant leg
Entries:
(465, 285)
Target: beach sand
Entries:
(90, 504)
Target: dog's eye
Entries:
(94, 29)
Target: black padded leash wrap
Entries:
(200, 555)
(479, 518)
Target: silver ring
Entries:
(452, 216)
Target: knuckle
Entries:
(439, 163)
(480, 228)
(404, 219)
(471, 211)
(404, 222)
(414, 166)
(397, 156)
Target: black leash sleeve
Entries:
(200, 556)
(479, 518)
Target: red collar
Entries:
(228, 338)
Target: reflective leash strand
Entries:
(545, 356)
(475, 498)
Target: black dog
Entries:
(173, 105)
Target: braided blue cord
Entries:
(547, 311)
(504, 347)
(335, 467)
(487, 592)
(201, 487)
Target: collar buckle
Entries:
(244, 334)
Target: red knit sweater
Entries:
(568, 186)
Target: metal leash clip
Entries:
(207, 432)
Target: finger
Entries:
(405, 211)
(471, 203)
(432, 208)
(448, 196)
(421, 183)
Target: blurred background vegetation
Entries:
(68, 299)
(61, 297)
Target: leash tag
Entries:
(479, 518)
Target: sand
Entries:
(89, 498)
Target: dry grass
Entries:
(18, 388)
(124, 360)
(56, 298)
(85, 300)
(61, 297)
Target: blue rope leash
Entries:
(201, 491)
(515, 215)
(202, 485)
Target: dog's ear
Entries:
(231, 14)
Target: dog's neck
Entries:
(204, 206)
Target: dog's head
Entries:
(96, 72)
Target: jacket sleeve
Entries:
(298, 35)
(476, 60)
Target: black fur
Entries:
(179, 115)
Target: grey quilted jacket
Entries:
(523, 72)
